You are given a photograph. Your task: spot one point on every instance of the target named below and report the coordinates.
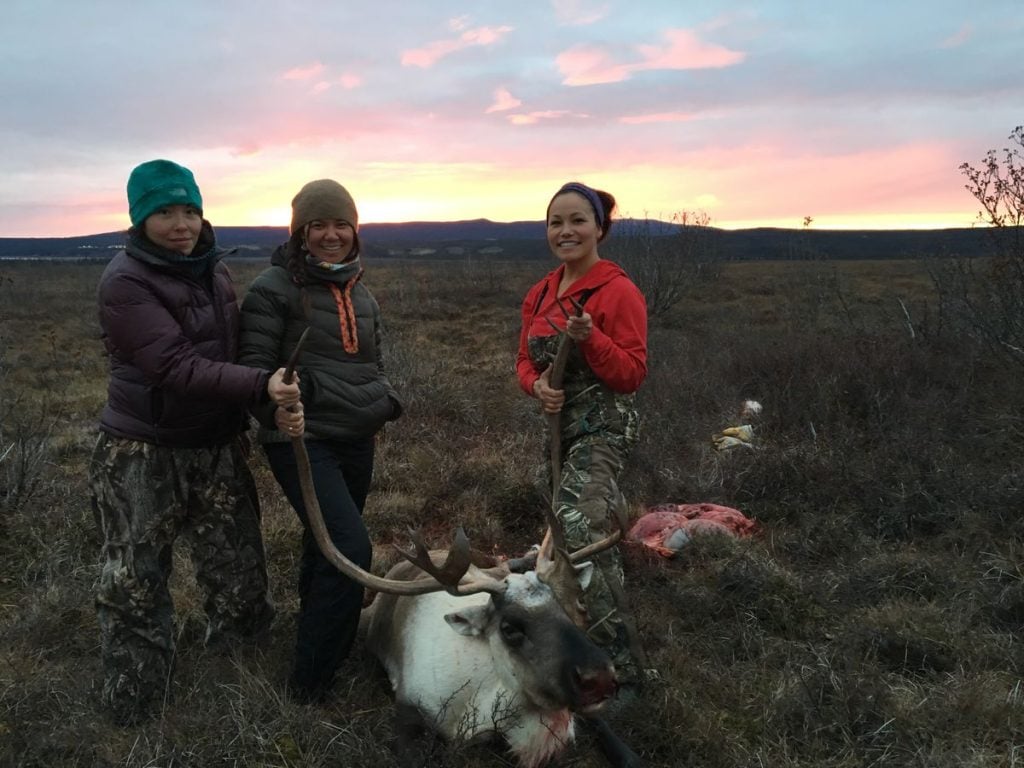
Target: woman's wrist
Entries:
(265, 397)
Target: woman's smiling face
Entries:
(330, 240)
(572, 228)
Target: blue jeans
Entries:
(329, 603)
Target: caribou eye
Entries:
(512, 634)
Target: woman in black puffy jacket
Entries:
(168, 461)
(315, 282)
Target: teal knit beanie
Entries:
(160, 183)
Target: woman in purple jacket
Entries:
(169, 459)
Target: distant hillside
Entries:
(482, 238)
(455, 238)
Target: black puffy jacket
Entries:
(345, 394)
(171, 338)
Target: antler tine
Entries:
(596, 548)
(606, 543)
(451, 571)
(528, 562)
(552, 324)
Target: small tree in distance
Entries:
(985, 299)
(666, 259)
(999, 186)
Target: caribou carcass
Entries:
(478, 653)
(505, 661)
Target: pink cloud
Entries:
(591, 65)
(686, 51)
(484, 35)
(348, 81)
(530, 118)
(303, 73)
(657, 117)
(430, 54)
(316, 71)
(503, 101)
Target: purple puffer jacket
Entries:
(171, 338)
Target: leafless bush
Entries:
(26, 429)
(984, 298)
(667, 259)
(24, 448)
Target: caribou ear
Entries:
(470, 622)
(584, 573)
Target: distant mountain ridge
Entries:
(526, 239)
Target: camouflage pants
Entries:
(588, 506)
(144, 497)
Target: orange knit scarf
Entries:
(347, 315)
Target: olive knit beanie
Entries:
(323, 199)
(160, 183)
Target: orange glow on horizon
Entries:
(238, 192)
(411, 210)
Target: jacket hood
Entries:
(279, 258)
(602, 272)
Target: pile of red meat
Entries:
(667, 528)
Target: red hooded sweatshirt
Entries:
(616, 349)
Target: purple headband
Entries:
(589, 194)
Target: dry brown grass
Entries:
(876, 621)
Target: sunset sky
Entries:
(757, 113)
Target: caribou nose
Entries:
(596, 685)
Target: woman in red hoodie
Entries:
(599, 421)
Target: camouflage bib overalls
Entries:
(599, 429)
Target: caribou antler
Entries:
(450, 572)
(554, 526)
(555, 424)
(529, 561)
(596, 548)
(446, 577)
